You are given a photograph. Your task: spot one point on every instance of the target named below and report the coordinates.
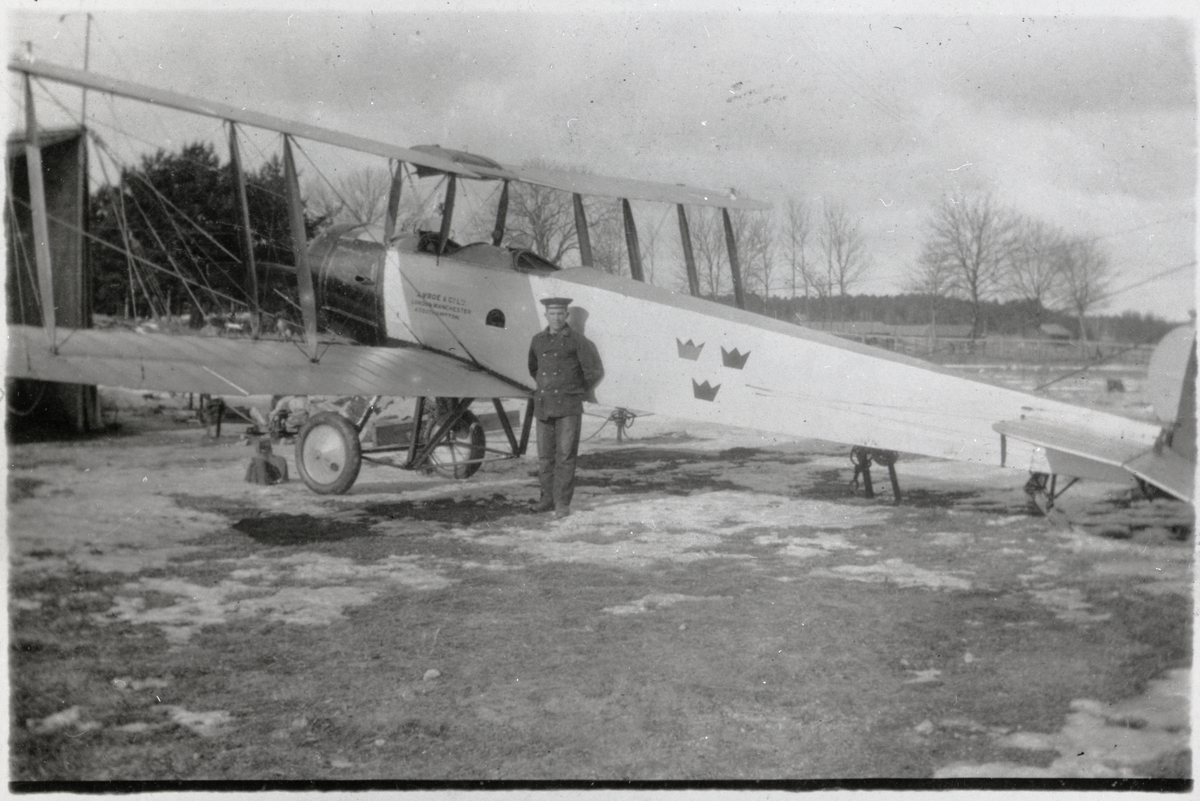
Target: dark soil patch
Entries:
(663, 482)
(660, 470)
(286, 530)
(20, 488)
(829, 485)
(453, 511)
(943, 499)
(633, 458)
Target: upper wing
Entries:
(1072, 451)
(209, 108)
(217, 365)
(586, 183)
(632, 189)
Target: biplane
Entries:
(418, 315)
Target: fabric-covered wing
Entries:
(633, 189)
(224, 111)
(586, 183)
(217, 365)
(1160, 467)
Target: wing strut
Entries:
(581, 231)
(308, 301)
(41, 226)
(734, 268)
(239, 188)
(393, 207)
(631, 242)
(689, 256)
(447, 213)
(501, 216)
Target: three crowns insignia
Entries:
(704, 391)
(689, 349)
(734, 359)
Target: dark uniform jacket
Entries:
(566, 366)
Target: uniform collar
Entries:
(566, 330)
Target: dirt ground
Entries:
(720, 606)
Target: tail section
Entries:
(1171, 384)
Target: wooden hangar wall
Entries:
(38, 404)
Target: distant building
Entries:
(1055, 332)
(928, 331)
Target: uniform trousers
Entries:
(558, 445)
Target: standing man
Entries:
(566, 366)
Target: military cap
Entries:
(551, 303)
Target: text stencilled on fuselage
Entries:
(440, 305)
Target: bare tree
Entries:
(358, 197)
(844, 248)
(650, 240)
(607, 232)
(542, 220)
(797, 228)
(970, 239)
(933, 279)
(708, 244)
(755, 237)
(1033, 268)
(1084, 271)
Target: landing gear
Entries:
(862, 458)
(328, 453)
(443, 436)
(1042, 491)
(460, 453)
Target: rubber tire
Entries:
(468, 435)
(328, 453)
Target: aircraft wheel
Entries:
(459, 455)
(328, 453)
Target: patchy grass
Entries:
(721, 636)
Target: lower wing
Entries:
(226, 366)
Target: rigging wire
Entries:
(1148, 279)
(332, 188)
(145, 262)
(162, 246)
(170, 207)
(868, 93)
(22, 255)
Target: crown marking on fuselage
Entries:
(689, 350)
(734, 359)
(705, 391)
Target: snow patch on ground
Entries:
(206, 724)
(656, 601)
(1068, 605)
(317, 589)
(799, 547)
(1101, 740)
(639, 530)
(896, 571)
(139, 530)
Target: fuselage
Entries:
(684, 357)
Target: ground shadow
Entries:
(284, 529)
(453, 511)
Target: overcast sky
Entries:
(1086, 122)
